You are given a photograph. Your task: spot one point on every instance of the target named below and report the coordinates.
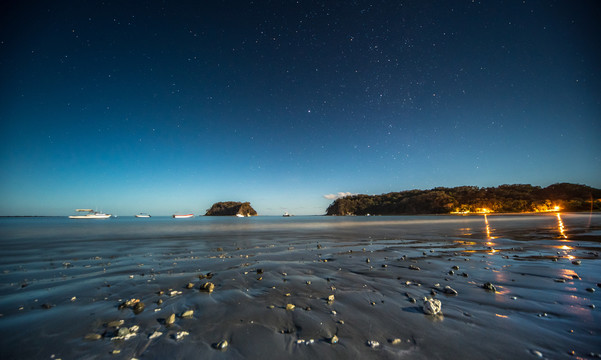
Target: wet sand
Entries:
(62, 285)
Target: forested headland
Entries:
(516, 198)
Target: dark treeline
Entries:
(464, 199)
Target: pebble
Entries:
(489, 286)
(170, 320)
(331, 298)
(93, 337)
(334, 339)
(187, 314)
(189, 286)
(115, 352)
(222, 345)
(432, 306)
(208, 287)
(395, 341)
(139, 307)
(155, 334)
(590, 289)
(115, 323)
(181, 334)
(537, 353)
(413, 267)
(560, 280)
(455, 267)
(449, 290)
(290, 307)
(373, 344)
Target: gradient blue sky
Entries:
(165, 107)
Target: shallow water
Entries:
(62, 279)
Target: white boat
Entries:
(183, 216)
(91, 214)
(142, 215)
(286, 215)
(239, 215)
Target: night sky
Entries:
(169, 106)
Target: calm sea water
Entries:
(61, 279)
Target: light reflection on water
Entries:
(567, 273)
(489, 237)
(561, 227)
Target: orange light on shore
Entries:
(556, 208)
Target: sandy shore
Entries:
(357, 292)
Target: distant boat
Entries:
(183, 216)
(91, 214)
(142, 215)
(286, 215)
(239, 215)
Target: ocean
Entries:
(301, 287)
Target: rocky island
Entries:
(517, 198)
(231, 208)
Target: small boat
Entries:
(286, 215)
(91, 214)
(183, 216)
(239, 215)
(142, 215)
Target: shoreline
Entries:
(325, 215)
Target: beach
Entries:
(301, 287)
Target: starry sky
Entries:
(169, 106)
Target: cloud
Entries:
(338, 196)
